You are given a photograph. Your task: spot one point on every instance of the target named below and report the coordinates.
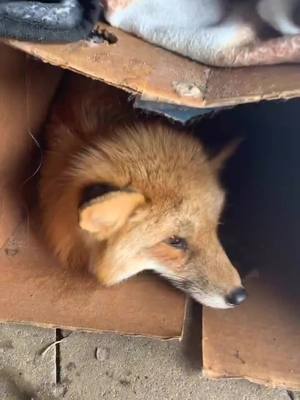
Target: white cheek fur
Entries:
(213, 301)
(209, 300)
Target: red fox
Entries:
(120, 194)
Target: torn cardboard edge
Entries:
(275, 384)
(164, 338)
(158, 75)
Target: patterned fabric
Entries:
(227, 33)
(48, 21)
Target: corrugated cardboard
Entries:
(159, 75)
(259, 341)
(33, 288)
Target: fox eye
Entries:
(177, 242)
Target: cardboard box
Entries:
(33, 289)
(259, 340)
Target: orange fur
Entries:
(165, 254)
(166, 186)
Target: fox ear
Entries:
(218, 162)
(106, 214)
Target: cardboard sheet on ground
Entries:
(260, 341)
(33, 288)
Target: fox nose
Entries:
(236, 297)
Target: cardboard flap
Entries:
(159, 75)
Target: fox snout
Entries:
(214, 300)
(224, 288)
(203, 271)
(233, 299)
(236, 297)
(218, 300)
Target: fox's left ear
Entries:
(106, 214)
(218, 162)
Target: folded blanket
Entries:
(48, 20)
(215, 32)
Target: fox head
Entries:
(155, 205)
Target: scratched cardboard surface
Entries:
(159, 75)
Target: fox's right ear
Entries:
(106, 214)
(218, 162)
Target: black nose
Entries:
(236, 297)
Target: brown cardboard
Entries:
(33, 288)
(18, 123)
(159, 75)
(260, 340)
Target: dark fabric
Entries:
(49, 21)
